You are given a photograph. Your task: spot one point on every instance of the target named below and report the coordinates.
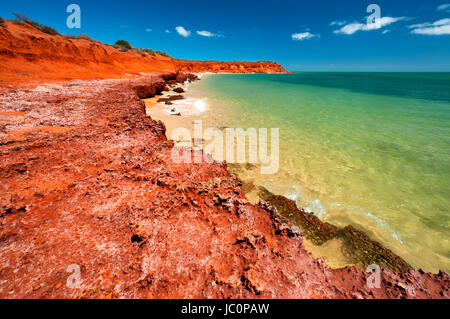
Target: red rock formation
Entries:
(229, 67)
(27, 54)
(88, 182)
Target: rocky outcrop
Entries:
(229, 67)
(92, 206)
(178, 90)
(315, 230)
(360, 248)
(150, 90)
(170, 98)
(159, 85)
(184, 77)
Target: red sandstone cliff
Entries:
(228, 67)
(27, 54)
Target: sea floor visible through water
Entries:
(366, 149)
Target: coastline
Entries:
(159, 218)
(54, 58)
(338, 246)
(332, 185)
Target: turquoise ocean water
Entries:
(367, 149)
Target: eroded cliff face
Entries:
(88, 184)
(27, 54)
(229, 67)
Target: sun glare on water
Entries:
(200, 105)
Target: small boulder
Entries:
(179, 90)
(170, 98)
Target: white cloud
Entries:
(183, 32)
(205, 33)
(444, 7)
(148, 30)
(351, 28)
(356, 26)
(439, 27)
(386, 31)
(209, 34)
(338, 23)
(429, 24)
(303, 36)
(167, 31)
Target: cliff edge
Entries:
(27, 55)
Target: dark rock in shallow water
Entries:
(365, 251)
(176, 97)
(170, 98)
(234, 168)
(179, 90)
(315, 230)
(358, 246)
(248, 187)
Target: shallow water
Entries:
(367, 149)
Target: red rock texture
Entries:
(87, 179)
(27, 54)
(229, 67)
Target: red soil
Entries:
(27, 54)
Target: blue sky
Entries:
(301, 35)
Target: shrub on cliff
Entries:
(78, 37)
(123, 45)
(16, 22)
(140, 51)
(150, 52)
(41, 27)
(2, 22)
(84, 36)
(163, 54)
